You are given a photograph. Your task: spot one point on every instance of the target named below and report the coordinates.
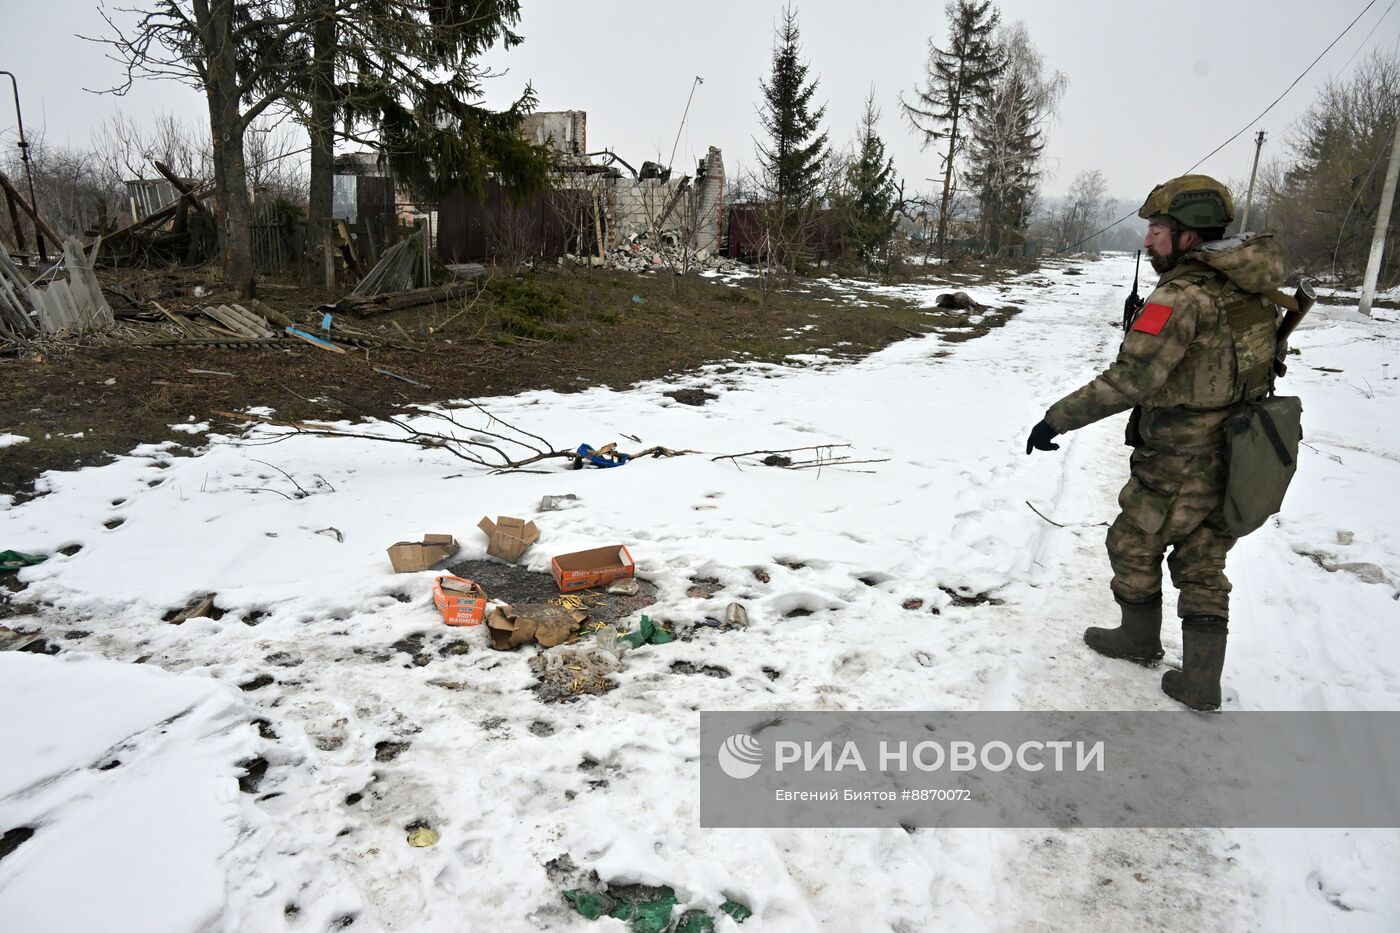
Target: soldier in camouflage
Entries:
(1202, 344)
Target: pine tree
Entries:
(407, 80)
(954, 79)
(1006, 140)
(871, 199)
(795, 154)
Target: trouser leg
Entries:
(1197, 565)
(1136, 559)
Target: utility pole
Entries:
(1249, 198)
(24, 157)
(1373, 265)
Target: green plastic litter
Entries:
(590, 904)
(648, 633)
(13, 560)
(738, 911)
(695, 922)
(648, 916)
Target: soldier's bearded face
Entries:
(1158, 246)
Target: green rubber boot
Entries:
(1137, 639)
(1197, 684)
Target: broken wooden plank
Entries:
(187, 191)
(367, 305)
(40, 224)
(156, 218)
(255, 321)
(183, 326)
(198, 608)
(269, 314)
(11, 640)
(315, 341)
(391, 375)
(15, 229)
(215, 341)
(231, 321)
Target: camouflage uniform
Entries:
(1203, 342)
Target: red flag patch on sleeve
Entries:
(1152, 319)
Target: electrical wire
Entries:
(1368, 37)
(1242, 129)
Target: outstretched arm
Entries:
(1151, 349)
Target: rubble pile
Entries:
(638, 255)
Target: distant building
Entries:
(564, 131)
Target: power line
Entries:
(1242, 129)
(1368, 37)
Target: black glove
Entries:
(1041, 436)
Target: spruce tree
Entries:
(794, 155)
(871, 198)
(407, 80)
(954, 79)
(1006, 140)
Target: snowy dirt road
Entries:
(320, 652)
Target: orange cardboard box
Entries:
(460, 601)
(594, 567)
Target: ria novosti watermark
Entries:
(1050, 769)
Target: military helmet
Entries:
(1196, 201)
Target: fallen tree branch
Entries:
(789, 450)
(1070, 525)
(826, 463)
(1042, 514)
(462, 448)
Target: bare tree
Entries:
(575, 199)
(242, 55)
(1324, 205)
(1083, 211)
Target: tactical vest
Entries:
(1231, 358)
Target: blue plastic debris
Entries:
(587, 454)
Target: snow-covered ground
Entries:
(165, 840)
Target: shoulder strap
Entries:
(1271, 432)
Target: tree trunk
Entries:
(947, 185)
(226, 129)
(321, 129)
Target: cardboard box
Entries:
(508, 537)
(545, 623)
(412, 556)
(594, 567)
(460, 601)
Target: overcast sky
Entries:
(1152, 87)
